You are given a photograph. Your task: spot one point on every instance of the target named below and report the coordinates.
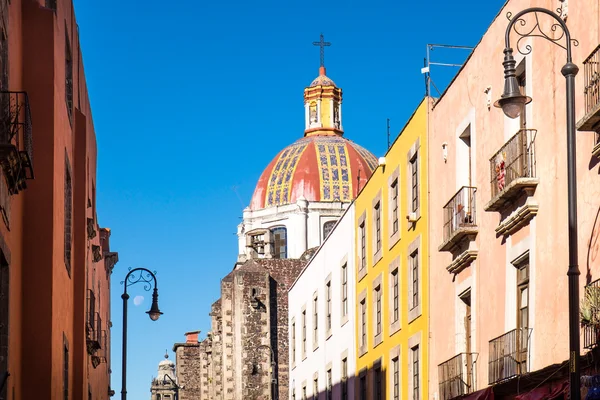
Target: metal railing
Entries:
(591, 75)
(457, 376)
(509, 354)
(516, 159)
(91, 310)
(16, 139)
(591, 331)
(459, 212)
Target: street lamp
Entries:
(147, 277)
(274, 394)
(177, 387)
(512, 103)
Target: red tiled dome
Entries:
(318, 168)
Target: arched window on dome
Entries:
(327, 228)
(158, 397)
(279, 237)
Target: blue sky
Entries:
(191, 99)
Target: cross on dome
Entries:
(322, 43)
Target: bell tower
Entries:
(323, 102)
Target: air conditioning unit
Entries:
(412, 217)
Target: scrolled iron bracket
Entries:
(525, 28)
(138, 275)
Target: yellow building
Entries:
(392, 282)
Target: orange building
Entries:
(55, 261)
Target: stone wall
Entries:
(188, 370)
(249, 328)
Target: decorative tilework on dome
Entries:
(317, 168)
(322, 80)
(279, 183)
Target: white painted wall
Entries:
(297, 218)
(336, 250)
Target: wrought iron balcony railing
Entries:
(459, 217)
(591, 75)
(512, 168)
(16, 140)
(91, 310)
(457, 376)
(591, 323)
(509, 354)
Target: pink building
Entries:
(498, 212)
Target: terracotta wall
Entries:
(48, 302)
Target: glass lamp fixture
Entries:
(154, 312)
(511, 101)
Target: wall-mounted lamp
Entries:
(445, 151)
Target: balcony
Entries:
(459, 218)
(457, 376)
(93, 324)
(16, 141)
(512, 170)
(590, 315)
(509, 354)
(101, 355)
(591, 92)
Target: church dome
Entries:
(325, 167)
(322, 80)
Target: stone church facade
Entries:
(298, 199)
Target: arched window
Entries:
(327, 228)
(279, 237)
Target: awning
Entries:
(552, 391)
(483, 394)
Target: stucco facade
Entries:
(56, 261)
(498, 212)
(392, 267)
(325, 351)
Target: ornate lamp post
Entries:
(147, 277)
(512, 103)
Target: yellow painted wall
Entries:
(397, 157)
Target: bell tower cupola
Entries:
(323, 102)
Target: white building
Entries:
(322, 355)
(308, 185)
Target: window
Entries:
(363, 246)
(293, 393)
(68, 214)
(315, 322)
(258, 243)
(304, 392)
(396, 378)
(377, 310)
(363, 323)
(345, 290)
(293, 342)
(395, 297)
(65, 369)
(327, 228)
(4, 61)
(415, 372)
(328, 299)
(362, 387)
(466, 299)
(316, 388)
(523, 89)
(377, 217)
(394, 205)
(68, 77)
(303, 333)
(377, 395)
(328, 393)
(344, 379)
(523, 313)
(414, 268)
(414, 173)
(279, 235)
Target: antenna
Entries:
(234, 188)
(388, 132)
(426, 70)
